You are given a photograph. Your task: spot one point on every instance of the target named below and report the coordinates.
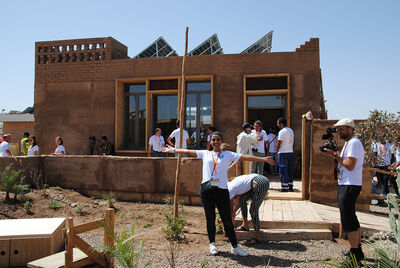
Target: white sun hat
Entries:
(345, 122)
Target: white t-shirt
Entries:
(240, 185)
(185, 136)
(157, 142)
(273, 140)
(286, 135)
(4, 146)
(383, 152)
(396, 151)
(33, 149)
(59, 149)
(209, 137)
(222, 164)
(352, 148)
(260, 146)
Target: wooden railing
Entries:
(73, 240)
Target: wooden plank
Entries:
(287, 211)
(88, 226)
(317, 217)
(5, 249)
(69, 253)
(277, 210)
(58, 260)
(267, 215)
(109, 234)
(90, 251)
(296, 211)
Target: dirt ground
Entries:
(150, 218)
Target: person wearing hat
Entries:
(350, 163)
(244, 141)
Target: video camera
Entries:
(331, 144)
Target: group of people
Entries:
(28, 146)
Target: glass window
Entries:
(198, 112)
(165, 113)
(266, 108)
(135, 117)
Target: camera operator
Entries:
(350, 163)
(105, 148)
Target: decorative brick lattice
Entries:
(80, 50)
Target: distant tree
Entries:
(380, 126)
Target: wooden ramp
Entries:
(275, 190)
(58, 260)
(291, 219)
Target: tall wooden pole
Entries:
(181, 116)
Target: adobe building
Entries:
(90, 87)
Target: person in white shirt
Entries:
(176, 134)
(272, 140)
(259, 147)
(244, 141)
(33, 147)
(5, 146)
(156, 143)
(214, 187)
(395, 167)
(384, 154)
(252, 187)
(350, 164)
(60, 150)
(284, 147)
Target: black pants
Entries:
(384, 180)
(219, 198)
(347, 197)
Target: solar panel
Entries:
(210, 46)
(159, 48)
(262, 45)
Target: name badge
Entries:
(214, 181)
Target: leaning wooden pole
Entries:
(181, 116)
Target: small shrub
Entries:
(204, 263)
(146, 225)
(28, 206)
(110, 198)
(74, 194)
(58, 188)
(11, 181)
(79, 209)
(126, 250)
(37, 178)
(55, 205)
(174, 229)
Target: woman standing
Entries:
(214, 187)
(60, 150)
(33, 147)
(156, 143)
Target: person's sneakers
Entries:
(239, 251)
(213, 249)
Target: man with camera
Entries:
(350, 163)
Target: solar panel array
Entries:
(262, 45)
(159, 48)
(210, 46)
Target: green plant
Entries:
(172, 254)
(28, 206)
(58, 188)
(74, 194)
(146, 225)
(126, 251)
(55, 205)
(394, 212)
(79, 209)
(110, 198)
(204, 263)
(174, 229)
(37, 178)
(11, 181)
(344, 262)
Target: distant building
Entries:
(90, 87)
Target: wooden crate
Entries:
(25, 240)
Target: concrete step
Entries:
(288, 234)
(58, 260)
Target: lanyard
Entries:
(159, 140)
(344, 150)
(380, 149)
(215, 163)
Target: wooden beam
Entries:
(380, 171)
(109, 234)
(90, 251)
(70, 242)
(87, 226)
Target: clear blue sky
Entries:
(359, 40)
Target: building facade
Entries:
(90, 87)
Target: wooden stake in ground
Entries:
(181, 116)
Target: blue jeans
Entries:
(158, 154)
(286, 170)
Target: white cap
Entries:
(345, 122)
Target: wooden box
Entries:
(25, 240)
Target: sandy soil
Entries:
(149, 219)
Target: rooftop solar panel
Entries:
(262, 45)
(210, 46)
(159, 48)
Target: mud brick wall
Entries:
(75, 99)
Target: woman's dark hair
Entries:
(104, 138)
(216, 133)
(34, 140)
(157, 129)
(213, 129)
(60, 139)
